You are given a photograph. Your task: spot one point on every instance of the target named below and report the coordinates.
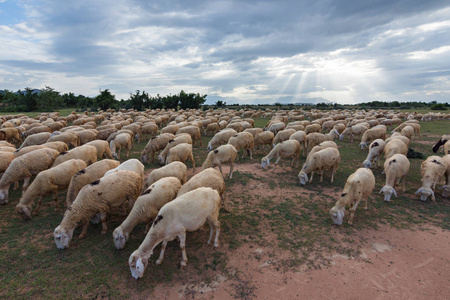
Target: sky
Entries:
(245, 52)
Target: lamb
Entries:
(442, 141)
(325, 159)
(155, 144)
(357, 129)
(286, 149)
(23, 168)
(446, 188)
(146, 208)
(208, 177)
(375, 150)
(264, 138)
(395, 146)
(99, 196)
(432, 169)
(359, 186)
(50, 181)
(86, 152)
(221, 138)
(396, 168)
(183, 138)
(121, 140)
(36, 139)
(300, 136)
(186, 213)
(90, 174)
(70, 138)
(103, 150)
(223, 154)
(181, 152)
(194, 132)
(243, 140)
(377, 132)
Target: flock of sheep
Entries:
(165, 200)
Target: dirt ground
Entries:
(394, 264)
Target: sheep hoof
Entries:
(216, 246)
(182, 263)
(81, 236)
(158, 262)
(103, 231)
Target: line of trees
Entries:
(48, 99)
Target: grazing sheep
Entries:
(442, 141)
(181, 152)
(313, 128)
(146, 208)
(86, 152)
(194, 132)
(407, 131)
(70, 138)
(286, 149)
(325, 159)
(415, 126)
(223, 154)
(396, 168)
(254, 131)
(221, 138)
(359, 186)
(87, 136)
(105, 133)
(398, 136)
(174, 169)
(446, 188)
(432, 169)
(357, 129)
(59, 146)
(212, 127)
(283, 135)
(156, 144)
(315, 138)
(36, 139)
(23, 168)
(172, 129)
(447, 148)
(47, 182)
(377, 132)
(6, 144)
(300, 136)
(276, 126)
(149, 128)
(264, 138)
(99, 196)
(186, 213)
(182, 138)
(395, 146)
(5, 160)
(129, 165)
(90, 174)
(136, 129)
(103, 150)
(244, 141)
(375, 150)
(37, 129)
(121, 140)
(9, 134)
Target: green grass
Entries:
(295, 222)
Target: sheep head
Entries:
(62, 237)
(24, 211)
(367, 164)
(114, 154)
(209, 146)
(445, 191)
(265, 162)
(303, 177)
(161, 159)
(341, 136)
(337, 215)
(363, 145)
(424, 193)
(388, 190)
(144, 158)
(138, 264)
(120, 238)
(4, 197)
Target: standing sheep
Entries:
(156, 144)
(99, 196)
(326, 159)
(182, 138)
(181, 152)
(129, 165)
(47, 182)
(375, 150)
(86, 152)
(174, 169)
(103, 150)
(432, 169)
(6, 159)
(24, 167)
(395, 146)
(194, 132)
(446, 188)
(283, 135)
(221, 138)
(377, 132)
(36, 139)
(121, 140)
(264, 138)
(396, 168)
(146, 208)
(357, 129)
(300, 136)
(223, 154)
(359, 186)
(286, 149)
(244, 141)
(186, 213)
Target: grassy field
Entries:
(294, 220)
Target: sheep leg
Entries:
(352, 212)
(26, 183)
(127, 151)
(404, 182)
(35, 212)
(220, 169)
(365, 203)
(321, 176)
(191, 157)
(103, 218)
(161, 255)
(312, 175)
(251, 154)
(333, 170)
(230, 175)
(16, 185)
(84, 230)
(182, 237)
(147, 227)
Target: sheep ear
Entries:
(395, 193)
(419, 191)
(381, 190)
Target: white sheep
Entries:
(395, 146)
(377, 132)
(129, 165)
(146, 208)
(432, 169)
(186, 213)
(99, 196)
(300, 136)
(315, 138)
(103, 150)
(375, 150)
(244, 141)
(223, 154)
(264, 138)
(276, 126)
(359, 186)
(90, 174)
(174, 169)
(85, 152)
(447, 147)
(47, 182)
(357, 129)
(313, 128)
(194, 132)
(254, 131)
(23, 168)
(36, 139)
(121, 140)
(396, 168)
(446, 188)
(212, 127)
(5, 160)
(181, 152)
(156, 144)
(221, 138)
(407, 131)
(70, 138)
(283, 135)
(286, 149)
(179, 139)
(325, 159)
(397, 135)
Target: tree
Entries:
(105, 100)
(220, 103)
(139, 101)
(70, 100)
(29, 99)
(49, 99)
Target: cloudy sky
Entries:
(238, 51)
